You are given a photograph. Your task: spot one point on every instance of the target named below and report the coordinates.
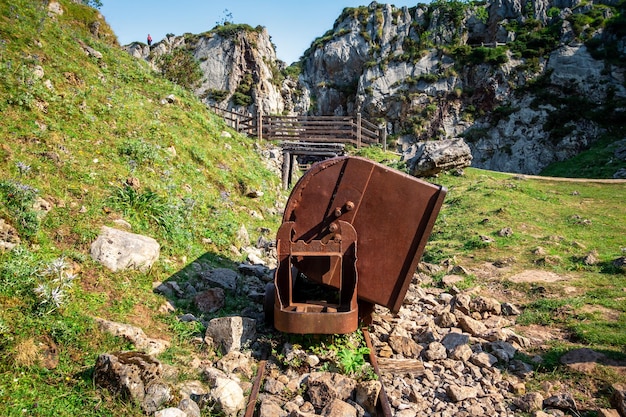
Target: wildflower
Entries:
(23, 168)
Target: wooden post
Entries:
(358, 130)
(259, 125)
(286, 169)
(293, 160)
(382, 134)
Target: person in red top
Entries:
(149, 40)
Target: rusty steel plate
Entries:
(393, 214)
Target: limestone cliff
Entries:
(515, 78)
(525, 82)
(239, 66)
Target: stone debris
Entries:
(446, 352)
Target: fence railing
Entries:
(329, 129)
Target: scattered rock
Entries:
(225, 393)
(338, 408)
(435, 351)
(457, 393)
(210, 301)
(135, 335)
(486, 304)
(9, 237)
(620, 263)
(471, 326)
(562, 401)
(119, 250)
(529, 402)
(221, 277)
(133, 376)
(323, 387)
(506, 232)
(591, 258)
(230, 333)
(618, 399)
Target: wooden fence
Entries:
(330, 129)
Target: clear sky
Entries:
(292, 24)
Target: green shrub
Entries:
(17, 204)
(216, 95)
(230, 30)
(181, 68)
(140, 152)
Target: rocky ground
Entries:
(445, 353)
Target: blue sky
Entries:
(292, 24)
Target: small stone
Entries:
(618, 399)
(471, 326)
(210, 301)
(529, 402)
(450, 280)
(269, 408)
(520, 368)
(563, 401)
(367, 395)
(460, 393)
(461, 353)
(591, 258)
(338, 408)
(483, 360)
(435, 351)
(506, 232)
(447, 320)
(620, 263)
(452, 340)
(171, 412)
(509, 309)
(518, 388)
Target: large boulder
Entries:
(426, 159)
(119, 250)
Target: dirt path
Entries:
(563, 179)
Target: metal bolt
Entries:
(333, 227)
(338, 212)
(349, 206)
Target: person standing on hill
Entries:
(149, 40)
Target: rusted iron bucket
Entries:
(356, 230)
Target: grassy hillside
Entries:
(77, 130)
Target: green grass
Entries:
(76, 145)
(596, 162)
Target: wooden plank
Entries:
(401, 366)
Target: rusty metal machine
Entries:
(353, 232)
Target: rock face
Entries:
(433, 73)
(238, 65)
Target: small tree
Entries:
(181, 68)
